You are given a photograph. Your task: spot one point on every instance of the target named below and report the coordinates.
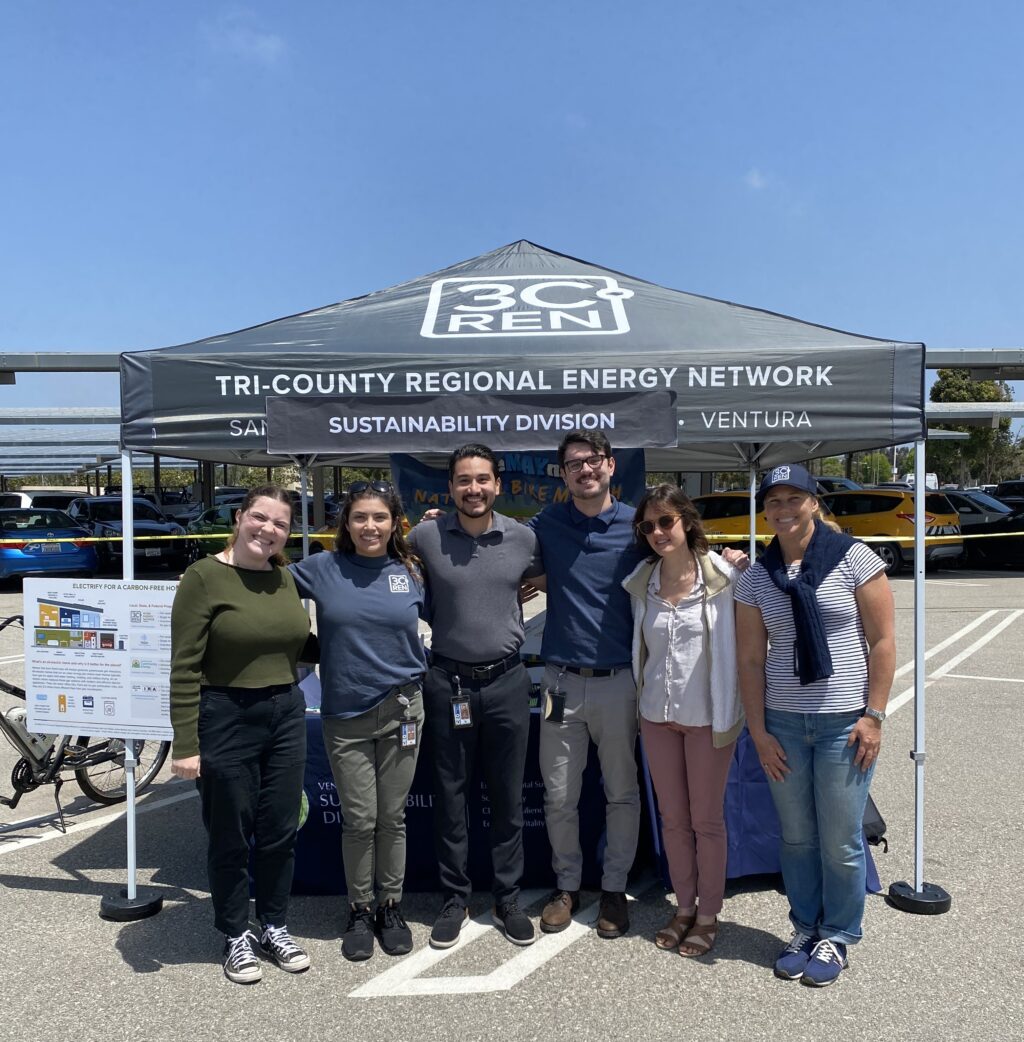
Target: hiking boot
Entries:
(276, 943)
(357, 940)
(448, 924)
(827, 961)
(613, 918)
(240, 962)
(559, 910)
(793, 959)
(515, 924)
(392, 930)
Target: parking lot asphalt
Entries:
(67, 973)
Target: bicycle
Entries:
(97, 763)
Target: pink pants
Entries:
(689, 778)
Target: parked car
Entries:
(102, 516)
(727, 514)
(832, 483)
(890, 512)
(25, 548)
(52, 498)
(1002, 544)
(976, 508)
(1011, 493)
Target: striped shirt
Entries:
(847, 689)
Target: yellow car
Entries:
(726, 520)
(890, 512)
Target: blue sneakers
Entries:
(827, 961)
(793, 959)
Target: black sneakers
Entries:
(357, 940)
(515, 924)
(240, 962)
(448, 925)
(391, 929)
(276, 943)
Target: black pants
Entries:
(496, 745)
(252, 753)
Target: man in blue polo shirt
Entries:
(588, 549)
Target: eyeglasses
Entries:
(384, 487)
(665, 523)
(574, 466)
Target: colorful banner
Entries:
(529, 482)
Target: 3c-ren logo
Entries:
(526, 305)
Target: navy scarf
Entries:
(825, 550)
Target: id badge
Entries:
(461, 714)
(554, 706)
(408, 734)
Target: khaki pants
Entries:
(373, 775)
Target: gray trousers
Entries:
(373, 775)
(602, 710)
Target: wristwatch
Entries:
(875, 714)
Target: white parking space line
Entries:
(405, 978)
(6, 660)
(942, 645)
(905, 696)
(80, 825)
(997, 680)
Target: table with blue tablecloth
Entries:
(750, 819)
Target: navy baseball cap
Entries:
(788, 474)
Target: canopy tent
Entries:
(747, 386)
(741, 386)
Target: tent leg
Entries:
(303, 490)
(752, 489)
(922, 898)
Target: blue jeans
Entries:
(821, 809)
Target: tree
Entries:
(872, 467)
(989, 453)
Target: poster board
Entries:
(98, 657)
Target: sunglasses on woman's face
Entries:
(384, 487)
(665, 523)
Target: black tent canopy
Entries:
(524, 324)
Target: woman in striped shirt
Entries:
(815, 631)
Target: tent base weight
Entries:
(929, 900)
(123, 909)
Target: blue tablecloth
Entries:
(751, 821)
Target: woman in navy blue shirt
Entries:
(369, 598)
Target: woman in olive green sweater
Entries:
(237, 628)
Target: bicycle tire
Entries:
(104, 782)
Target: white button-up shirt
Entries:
(676, 684)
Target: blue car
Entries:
(26, 547)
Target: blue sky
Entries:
(173, 171)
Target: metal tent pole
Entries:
(128, 904)
(922, 898)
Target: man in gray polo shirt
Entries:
(476, 693)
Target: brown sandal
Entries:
(672, 933)
(702, 936)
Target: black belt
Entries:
(483, 672)
(410, 690)
(586, 671)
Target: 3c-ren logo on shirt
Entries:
(526, 305)
(399, 583)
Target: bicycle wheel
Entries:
(104, 782)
